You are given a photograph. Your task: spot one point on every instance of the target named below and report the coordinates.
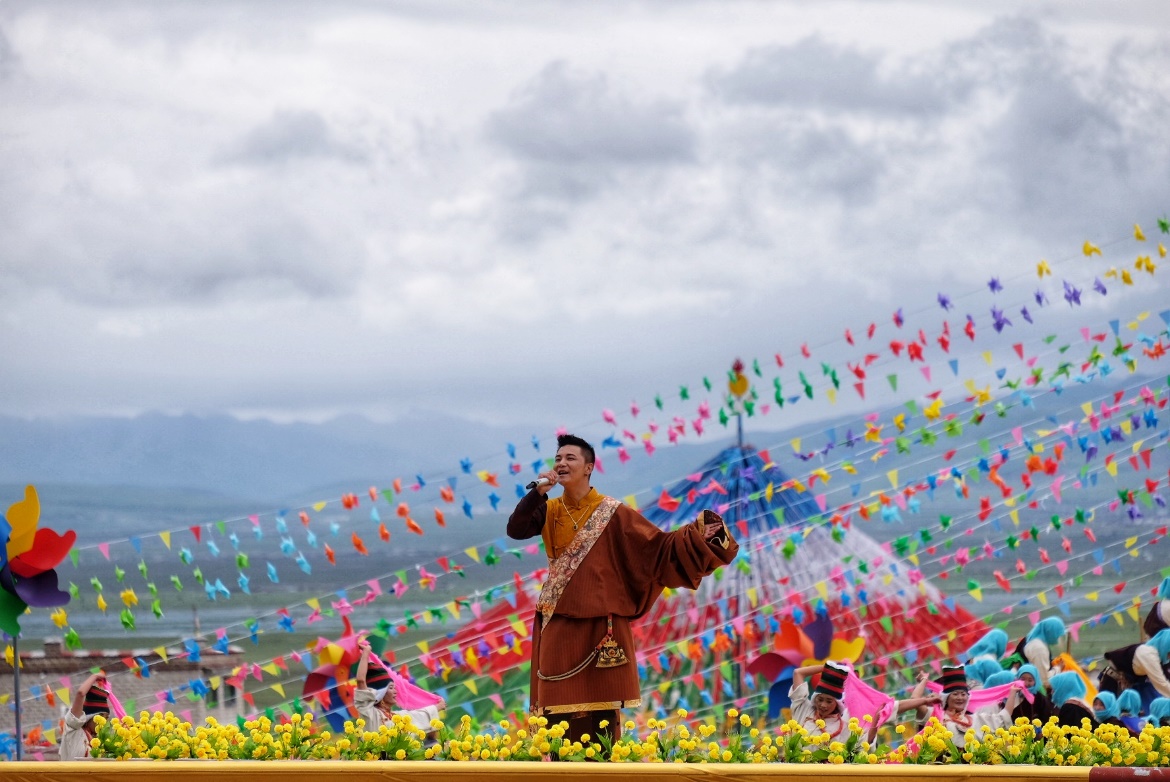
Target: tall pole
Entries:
(735, 500)
(16, 696)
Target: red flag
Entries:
(668, 503)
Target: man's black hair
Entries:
(572, 439)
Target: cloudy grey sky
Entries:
(518, 211)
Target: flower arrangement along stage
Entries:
(164, 736)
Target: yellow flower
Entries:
(400, 754)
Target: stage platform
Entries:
(433, 771)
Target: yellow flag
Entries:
(893, 476)
(270, 669)
(631, 501)
(1112, 468)
(51, 735)
(832, 394)
(1043, 598)
(769, 491)
(943, 646)
(1015, 517)
(161, 651)
(279, 689)
(471, 685)
(1133, 612)
(471, 552)
(796, 444)
(423, 647)
(166, 538)
(1091, 596)
(313, 603)
(214, 682)
(753, 596)
(319, 506)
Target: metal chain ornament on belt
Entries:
(608, 653)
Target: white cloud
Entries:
(377, 209)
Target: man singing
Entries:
(607, 566)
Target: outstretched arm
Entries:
(919, 692)
(363, 664)
(917, 703)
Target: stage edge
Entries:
(431, 771)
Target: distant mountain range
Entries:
(281, 463)
(256, 459)
(278, 464)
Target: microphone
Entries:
(541, 481)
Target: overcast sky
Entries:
(521, 212)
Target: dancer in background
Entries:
(1107, 710)
(992, 646)
(1041, 707)
(1159, 617)
(1160, 712)
(825, 704)
(955, 715)
(91, 699)
(1068, 696)
(376, 697)
(979, 671)
(1035, 649)
(1140, 667)
(1129, 704)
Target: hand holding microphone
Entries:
(544, 482)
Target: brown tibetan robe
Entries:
(624, 571)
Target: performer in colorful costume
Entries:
(1141, 667)
(955, 714)
(378, 694)
(90, 700)
(1159, 617)
(607, 567)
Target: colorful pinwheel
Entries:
(28, 557)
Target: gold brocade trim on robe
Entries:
(594, 706)
(561, 569)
